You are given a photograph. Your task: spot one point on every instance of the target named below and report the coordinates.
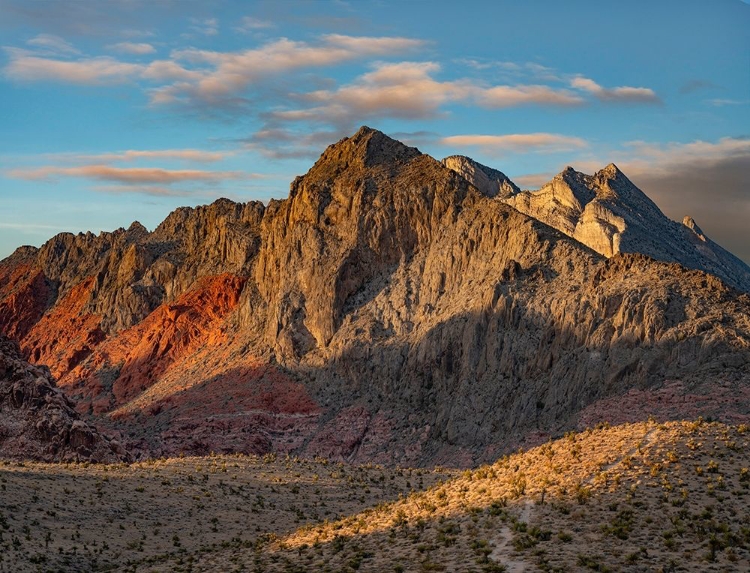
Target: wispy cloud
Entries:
(50, 43)
(28, 226)
(618, 94)
(250, 24)
(278, 143)
(695, 85)
(126, 174)
(207, 26)
(190, 155)
(87, 71)
(516, 142)
(511, 96)
(721, 102)
(159, 191)
(138, 49)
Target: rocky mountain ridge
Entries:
(389, 310)
(609, 214)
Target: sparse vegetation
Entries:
(630, 497)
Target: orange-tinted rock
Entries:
(24, 293)
(133, 360)
(67, 334)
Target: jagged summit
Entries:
(609, 213)
(690, 223)
(367, 148)
(611, 171)
(489, 181)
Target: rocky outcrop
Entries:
(37, 420)
(388, 310)
(489, 181)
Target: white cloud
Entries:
(517, 142)
(138, 49)
(511, 96)
(194, 155)
(126, 174)
(90, 71)
(50, 43)
(395, 90)
(619, 94)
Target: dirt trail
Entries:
(503, 551)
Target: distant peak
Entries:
(611, 171)
(690, 223)
(488, 180)
(136, 226)
(571, 176)
(366, 130)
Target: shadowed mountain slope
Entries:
(37, 420)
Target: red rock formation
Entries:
(135, 359)
(23, 298)
(67, 334)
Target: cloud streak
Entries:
(89, 71)
(625, 94)
(50, 43)
(193, 155)
(132, 175)
(138, 49)
(512, 96)
(517, 142)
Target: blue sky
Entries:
(123, 110)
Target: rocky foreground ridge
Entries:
(389, 310)
(38, 422)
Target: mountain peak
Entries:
(367, 148)
(611, 170)
(489, 181)
(690, 223)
